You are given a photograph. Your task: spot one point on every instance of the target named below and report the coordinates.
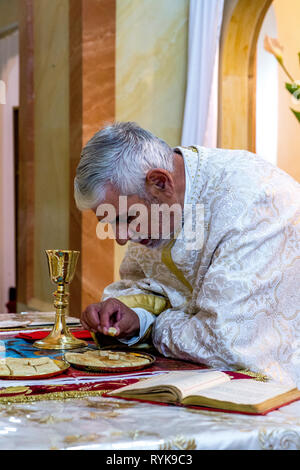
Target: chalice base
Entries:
(60, 341)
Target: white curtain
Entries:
(9, 75)
(201, 105)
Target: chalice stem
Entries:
(61, 305)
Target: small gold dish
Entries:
(63, 366)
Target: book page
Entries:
(244, 391)
(186, 382)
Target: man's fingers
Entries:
(118, 316)
(90, 318)
(108, 315)
(104, 315)
(85, 326)
(121, 325)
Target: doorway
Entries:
(9, 74)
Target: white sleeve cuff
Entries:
(146, 319)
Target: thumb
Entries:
(109, 315)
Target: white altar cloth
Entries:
(114, 424)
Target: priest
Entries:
(218, 283)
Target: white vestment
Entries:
(235, 303)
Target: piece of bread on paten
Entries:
(22, 370)
(39, 361)
(4, 370)
(47, 368)
(112, 331)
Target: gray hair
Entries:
(121, 154)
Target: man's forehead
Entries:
(112, 196)
(120, 202)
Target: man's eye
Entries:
(104, 221)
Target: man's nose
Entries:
(121, 241)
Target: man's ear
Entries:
(160, 184)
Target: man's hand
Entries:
(98, 318)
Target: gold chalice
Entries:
(62, 266)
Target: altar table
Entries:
(71, 413)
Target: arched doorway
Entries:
(237, 74)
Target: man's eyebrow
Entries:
(100, 218)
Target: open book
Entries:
(211, 389)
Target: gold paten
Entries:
(62, 266)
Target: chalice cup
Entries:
(62, 266)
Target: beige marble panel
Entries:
(51, 114)
(151, 64)
(151, 60)
(9, 13)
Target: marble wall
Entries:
(151, 60)
(51, 138)
(98, 107)
(96, 61)
(9, 13)
(151, 63)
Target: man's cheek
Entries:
(138, 230)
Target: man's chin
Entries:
(152, 243)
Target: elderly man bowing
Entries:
(224, 292)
